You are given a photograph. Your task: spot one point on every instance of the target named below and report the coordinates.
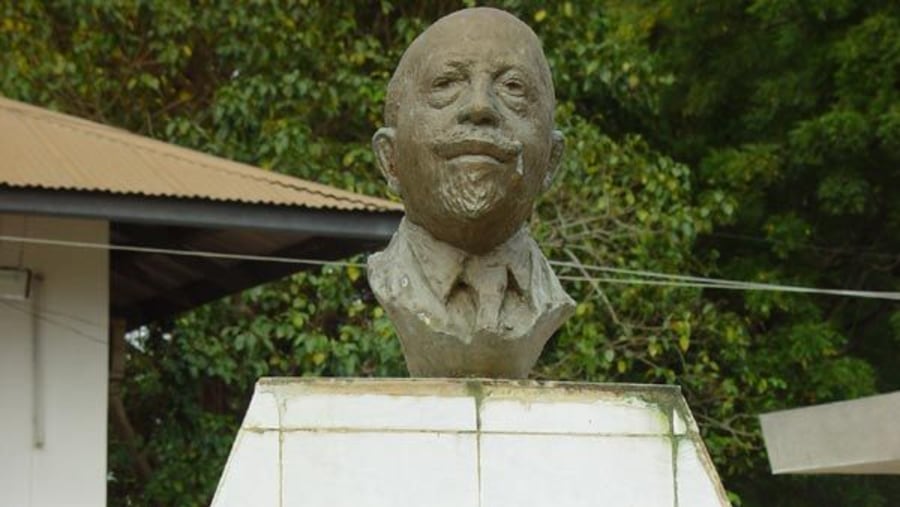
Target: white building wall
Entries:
(53, 368)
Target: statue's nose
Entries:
(480, 108)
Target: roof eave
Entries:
(362, 225)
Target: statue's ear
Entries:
(557, 147)
(383, 146)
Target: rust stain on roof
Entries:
(48, 150)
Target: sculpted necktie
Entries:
(487, 278)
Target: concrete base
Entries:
(848, 437)
(467, 443)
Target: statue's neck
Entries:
(473, 236)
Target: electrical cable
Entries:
(649, 277)
(715, 283)
(648, 274)
(168, 251)
(749, 286)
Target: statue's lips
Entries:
(477, 150)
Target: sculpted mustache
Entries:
(495, 146)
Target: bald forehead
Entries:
(475, 31)
(468, 26)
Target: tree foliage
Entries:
(753, 140)
(789, 109)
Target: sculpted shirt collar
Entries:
(444, 264)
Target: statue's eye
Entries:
(513, 86)
(442, 83)
(444, 88)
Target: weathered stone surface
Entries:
(469, 145)
(848, 437)
(467, 443)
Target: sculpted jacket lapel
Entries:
(475, 289)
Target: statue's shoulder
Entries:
(384, 269)
(545, 282)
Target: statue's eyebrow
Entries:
(458, 64)
(530, 77)
(518, 69)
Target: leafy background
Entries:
(753, 140)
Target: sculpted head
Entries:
(469, 142)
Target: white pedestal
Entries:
(467, 443)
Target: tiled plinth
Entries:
(467, 443)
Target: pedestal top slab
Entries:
(467, 405)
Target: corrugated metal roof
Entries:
(49, 150)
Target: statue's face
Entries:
(474, 137)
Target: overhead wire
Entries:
(648, 274)
(170, 251)
(747, 286)
(652, 278)
(634, 276)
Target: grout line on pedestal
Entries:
(280, 405)
(476, 390)
(675, 443)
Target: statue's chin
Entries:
(473, 204)
(469, 191)
(468, 202)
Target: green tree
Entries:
(298, 87)
(789, 110)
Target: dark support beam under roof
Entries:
(362, 225)
(178, 238)
(200, 291)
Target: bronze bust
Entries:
(469, 145)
